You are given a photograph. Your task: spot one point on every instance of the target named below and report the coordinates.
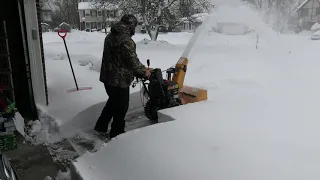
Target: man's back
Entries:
(120, 62)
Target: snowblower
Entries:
(170, 92)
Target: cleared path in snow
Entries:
(69, 149)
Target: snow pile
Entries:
(43, 131)
(315, 27)
(158, 43)
(60, 176)
(305, 33)
(316, 35)
(63, 175)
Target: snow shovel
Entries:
(63, 33)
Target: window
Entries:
(88, 26)
(87, 12)
(83, 13)
(99, 13)
(93, 25)
(111, 13)
(93, 13)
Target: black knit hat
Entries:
(130, 20)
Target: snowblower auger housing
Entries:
(187, 94)
(170, 92)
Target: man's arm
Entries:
(131, 59)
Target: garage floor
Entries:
(32, 162)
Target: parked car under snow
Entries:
(316, 35)
(231, 28)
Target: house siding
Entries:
(39, 11)
(89, 22)
(313, 14)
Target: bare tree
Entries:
(278, 13)
(188, 8)
(155, 13)
(69, 11)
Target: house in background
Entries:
(309, 13)
(94, 16)
(46, 13)
(65, 26)
(45, 27)
(192, 23)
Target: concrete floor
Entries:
(32, 162)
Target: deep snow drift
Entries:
(260, 121)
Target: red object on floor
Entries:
(80, 89)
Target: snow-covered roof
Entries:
(96, 5)
(315, 27)
(46, 24)
(64, 24)
(196, 17)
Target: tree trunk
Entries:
(153, 33)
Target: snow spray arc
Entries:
(63, 33)
(198, 33)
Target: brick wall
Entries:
(41, 45)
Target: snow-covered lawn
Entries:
(261, 120)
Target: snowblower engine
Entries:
(161, 93)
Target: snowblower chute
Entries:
(170, 92)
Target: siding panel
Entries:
(38, 5)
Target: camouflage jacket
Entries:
(120, 63)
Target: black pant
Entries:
(116, 108)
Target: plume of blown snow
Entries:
(240, 13)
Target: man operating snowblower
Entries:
(120, 65)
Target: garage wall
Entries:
(13, 13)
(38, 6)
(35, 52)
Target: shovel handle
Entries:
(62, 33)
